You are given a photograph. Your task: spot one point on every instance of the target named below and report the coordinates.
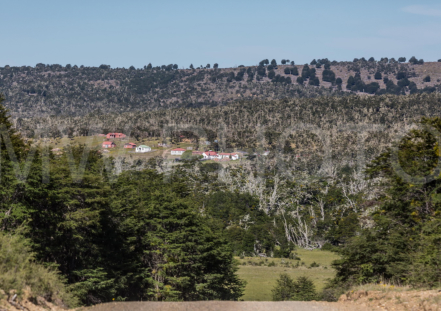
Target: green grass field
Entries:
(261, 279)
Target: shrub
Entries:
(303, 289)
(314, 265)
(272, 264)
(378, 76)
(426, 79)
(18, 270)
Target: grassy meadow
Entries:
(261, 274)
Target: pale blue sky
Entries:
(231, 33)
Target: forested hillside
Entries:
(46, 90)
(306, 130)
(346, 171)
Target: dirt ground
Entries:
(360, 300)
(429, 300)
(223, 306)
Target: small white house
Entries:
(211, 155)
(143, 148)
(231, 156)
(178, 151)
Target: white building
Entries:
(143, 148)
(178, 151)
(211, 155)
(231, 156)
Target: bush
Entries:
(426, 79)
(18, 270)
(378, 76)
(314, 265)
(272, 264)
(329, 247)
(303, 289)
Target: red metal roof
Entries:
(210, 153)
(108, 143)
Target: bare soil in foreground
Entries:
(412, 300)
(360, 300)
(223, 305)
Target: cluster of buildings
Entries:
(208, 155)
(223, 156)
(111, 144)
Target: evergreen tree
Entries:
(271, 74)
(403, 243)
(305, 72)
(303, 289)
(328, 76)
(426, 78)
(177, 257)
(350, 83)
(378, 76)
(284, 289)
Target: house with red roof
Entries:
(178, 151)
(109, 144)
(129, 145)
(115, 135)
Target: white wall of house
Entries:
(177, 152)
(143, 149)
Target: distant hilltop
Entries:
(46, 90)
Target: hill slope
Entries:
(46, 90)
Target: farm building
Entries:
(231, 156)
(130, 146)
(115, 135)
(143, 148)
(109, 144)
(211, 155)
(178, 151)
